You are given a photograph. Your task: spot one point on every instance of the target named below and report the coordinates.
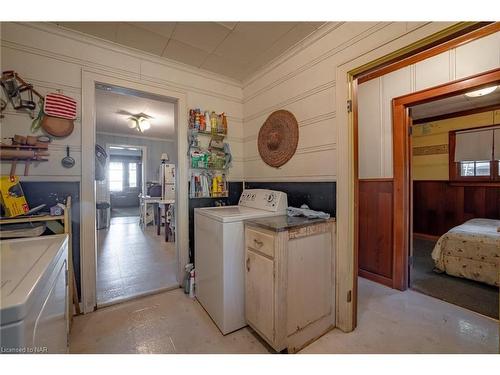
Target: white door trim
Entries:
(87, 188)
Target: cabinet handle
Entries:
(258, 242)
(248, 264)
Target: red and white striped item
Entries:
(58, 105)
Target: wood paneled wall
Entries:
(375, 255)
(439, 206)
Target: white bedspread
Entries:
(471, 251)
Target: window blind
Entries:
(474, 145)
(496, 144)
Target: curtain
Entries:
(496, 145)
(474, 145)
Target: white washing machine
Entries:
(220, 254)
(34, 295)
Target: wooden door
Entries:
(259, 293)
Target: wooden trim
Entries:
(374, 277)
(419, 53)
(424, 236)
(401, 161)
(448, 89)
(381, 179)
(30, 219)
(463, 183)
(467, 112)
(474, 183)
(354, 297)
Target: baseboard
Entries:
(376, 278)
(423, 236)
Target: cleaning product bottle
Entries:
(197, 120)
(207, 121)
(224, 123)
(213, 123)
(214, 186)
(191, 284)
(188, 268)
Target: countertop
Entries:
(284, 222)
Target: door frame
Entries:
(88, 200)
(402, 153)
(439, 42)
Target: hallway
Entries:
(131, 261)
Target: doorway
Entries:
(143, 161)
(137, 133)
(88, 210)
(455, 212)
(458, 214)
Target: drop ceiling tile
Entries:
(221, 65)
(288, 40)
(251, 39)
(229, 25)
(239, 47)
(104, 30)
(202, 35)
(162, 28)
(184, 53)
(139, 38)
(264, 32)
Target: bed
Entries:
(471, 251)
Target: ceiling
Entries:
(115, 106)
(454, 104)
(233, 49)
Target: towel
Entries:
(304, 210)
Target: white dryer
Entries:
(220, 254)
(34, 295)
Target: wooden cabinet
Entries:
(290, 283)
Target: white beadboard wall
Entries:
(303, 82)
(374, 97)
(53, 58)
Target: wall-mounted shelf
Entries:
(202, 132)
(211, 169)
(207, 160)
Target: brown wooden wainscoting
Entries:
(439, 206)
(375, 254)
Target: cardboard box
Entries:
(12, 196)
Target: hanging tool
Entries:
(68, 161)
(14, 86)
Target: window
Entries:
(132, 175)
(115, 176)
(474, 154)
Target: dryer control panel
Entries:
(263, 199)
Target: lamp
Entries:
(164, 157)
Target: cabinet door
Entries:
(259, 293)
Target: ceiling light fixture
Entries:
(144, 124)
(140, 122)
(481, 92)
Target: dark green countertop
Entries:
(284, 222)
